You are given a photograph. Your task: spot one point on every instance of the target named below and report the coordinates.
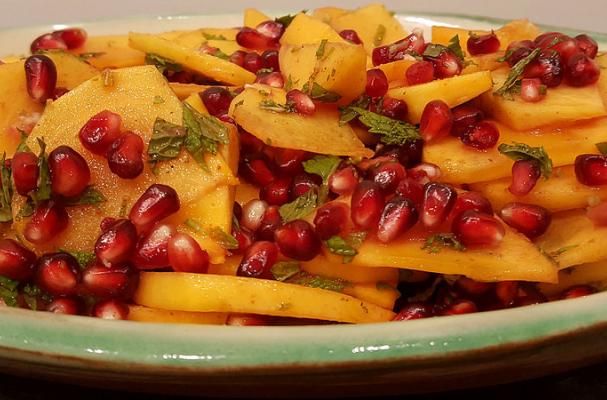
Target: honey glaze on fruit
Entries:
(329, 166)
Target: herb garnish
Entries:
(434, 243)
(22, 146)
(301, 207)
(319, 93)
(517, 71)
(163, 64)
(602, 147)
(320, 52)
(43, 189)
(456, 48)
(380, 33)
(6, 193)
(89, 196)
(348, 247)
(166, 142)
(271, 105)
(84, 258)
(86, 56)
(8, 291)
(286, 20)
(204, 133)
(283, 270)
(320, 282)
(522, 151)
(322, 166)
(391, 131)
(562, 250)
(224, 239)
(210, 36)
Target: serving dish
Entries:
(416, 356)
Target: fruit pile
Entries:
(313, 168)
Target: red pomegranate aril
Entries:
(58, 274)
(529, 219)
(185, 254)
(412, 44)
(591, 169)
(351, 36)
(532, 90)
(397, 217)
(436, 121)
(438, 201)
(459, 307)
(289, 162)
(472, 201)
(425, 172)
(472, 287)
(125, 156)
(465, 117)
(237, 57)
(216, 100)
(367, 203)
(531, 296)
(484, 135)
(387, 175)
(483, 44)
(420, 72)
(72, 37)
(24, 166)
(343, 181)
(547, 67)
(16, 261)
(273, 79)
(98, 134)
(63, 305)
(582, 70)
(256, 171)
(70, 174)
(380, 55)
(548, 39)
(48, 41)
(152, 250)
(518, 50)
(525, 174)
(117, 243)
(587, 45)
(40, 77)
(377, 83)
(269, 223)
(247, 320)
(249, 144)
(410, 154)
(298, 240)
(252, 62)
(414, 311)
(446, 64)
(48, 221)
(475, 228)
(271, 29)
(111, 309)
(58, 92)
(598, 214)
(566, 48)
(276, 192)
(244, 238)
(395, 109)
(157, 202)
(116, 282)
(411, 189)
(258, 260)
(506, 292)
(252, 214)
(331, 219)
(270, 60)
(577, 291)
(303, 183)
(252, 39)
(302, 103)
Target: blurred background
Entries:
(588, 14)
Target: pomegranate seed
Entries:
(289, 162)
(377, 83)
(273, 79)
(465, 117)
(548, 68)
(24, 166)
(249, 144)
(16, 261)
(582, 70)
(253, 39)
(237, 57)
(577, 291)
(368, 163)
(252, 214)
(180, 77)
(157, 202)
(410, 154)
(530, 298)
(472, 287)
(270, 60)
(247, 320)
(302, 103)
(411, 189)
(395, 109)
(587, 45)
(48, 41)
(598, 214)
(343, 181)
(331, 219)
(367, 203)
(269, 223)
(58, 92)
(72, 37)
(548, 39)
(483, 44)
(40, 77)
(117, 243)
(297, 240)
(529, 219)
(258, 259)
(245, 240)
(438, 201)
(111, 309)
(474, 228)
(303, 183)
(397, 217)
(125, 156)
(446, 64)
(414, 311)
(472, 201)
(525, 174)
(252, 62)
(256, 171)
(387, 175)
(459, 307)
(591, 169)
(566, 48)
(380, 55)
(100, 131)
(518, 50)
(351, 36)
(484, 135)
(216, 100)
(152, 250)
(58, 274)
(425, 172)
(271, 29)
(436, 121)
(532, 90)
(70, 174)
(113, 282)
(420, 72)
(48, 221)
(66, 306)
(276, 192)
(412, 44)
(506, 292)
(185, 254)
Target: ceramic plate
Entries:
(334, 360)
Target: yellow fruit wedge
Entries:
(483, 62)
(463, 164)
(254, 17)
(593, 274)
(146, 314)
(291, 130)
(185, 90)
(602, 83)
(396, 70)
(305, 29)
(561, 106)
(322, 266)
(217, 293)
(573, 239)
(453, 91)
(559, 193)
(110, 51)
(328, 14)
(380, 294)
(246, 192)
(228, 267)
(223, 39)
(210, 66)
(336, 67)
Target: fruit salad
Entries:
(321, 167)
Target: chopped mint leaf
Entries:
(516, 72)
(436, 242)
(286, 20)
(318, 93)
(562, 250)
(204, 134)
(506, 56)
(433, 50)
(322, 166)
(87, 56)
(43, 190)
(283, 270)
(8, 291)
(22, 147)
(347, 114)
(158, 100)
(90, 196)
(522, 151)
(209, 36)
(193, 225)
(271, 105)
(348, 247)
(456, 48)
(299, 208)
(26, 210)
(391, 131)
(602, 147)
(380, 33)
(166, 142)
(224, 239)
(84, 258)
(383, 286)
(163, 64)
(289, 83)
(320, 282)
(321, 49)
(6, 192)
